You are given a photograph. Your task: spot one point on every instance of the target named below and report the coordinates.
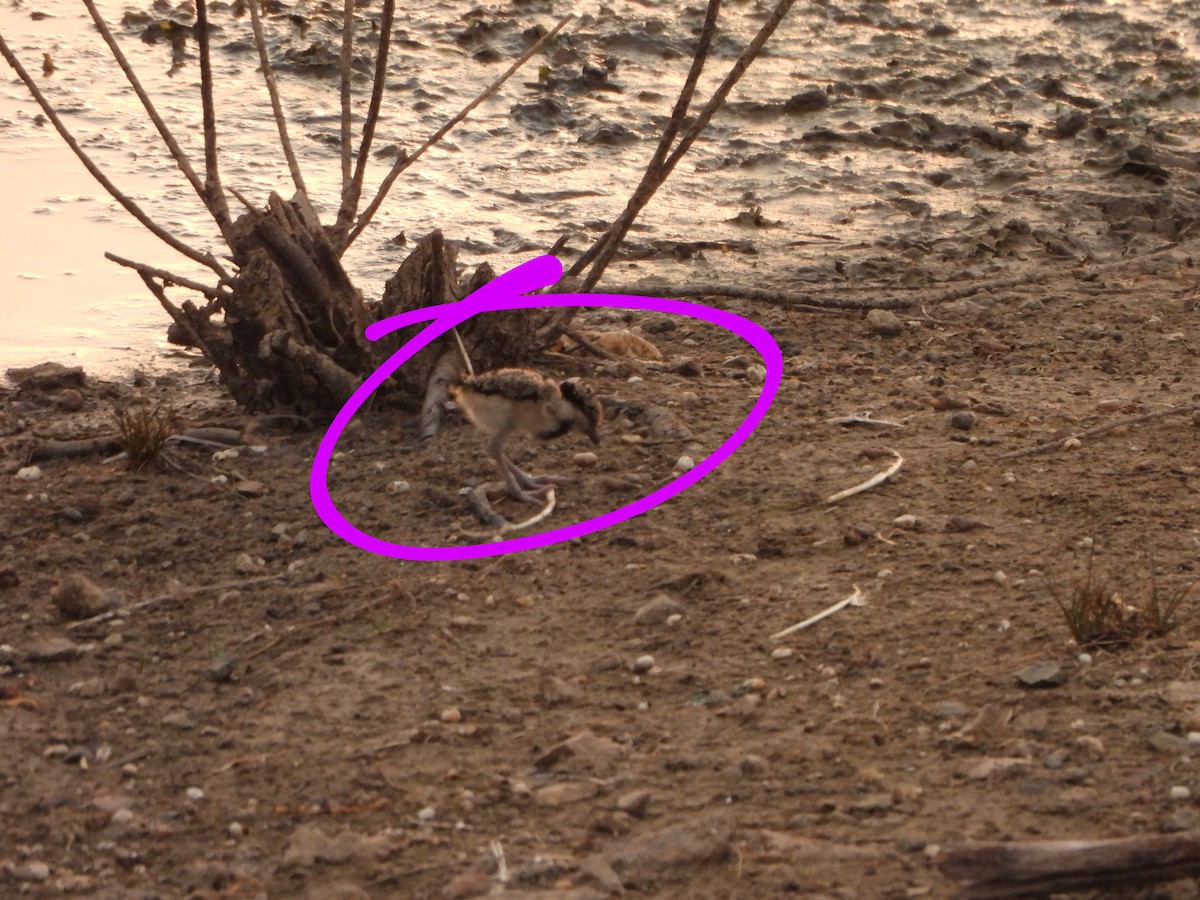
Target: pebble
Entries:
(635, 803)
(451, 714)
(29, 473)
(908, 522)
(1085, 659)
(781, 653)
(1044, 674)
(33, 870)
(194, 793)
(57, 650)
(685, 464)
(884, 323)
(657, 610)
(1179, 792)
(426, 813)
(398, 487)
(235, 829)
(964, 420)
(643, 663)
(756, 374)
(586, 460)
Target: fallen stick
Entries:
(871, 482)
(856, 599)
(179, 594)
(45, 450)
(1101, 429)
(864, 419)
(1041, 868)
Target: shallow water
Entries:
(887, 174)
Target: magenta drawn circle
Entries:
(511, 291)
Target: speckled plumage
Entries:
(507, 401)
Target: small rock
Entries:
(77, 597)
(964, 420)
(559, 692)
(57, 649)
(1165, 742)
(657, 610)
(1183, 692)
(33, 870)
(1179, 792)
(451, 715)
(194, 793)
(756, 374)
(1044, 674)
(584, 750)
(685, 464)
(635, 803)
(908, 522)
(884, 323)
(566, 792)
(70, 400)
(643, 664)
(245, 564)
(29, 473)
(180, 719)
(780, 653)
(586, 460)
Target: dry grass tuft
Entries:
(1098, 615)
(144, 432)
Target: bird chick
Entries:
(503, 402)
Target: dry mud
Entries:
(276, 713)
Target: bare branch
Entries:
(166, 277)
(177, 152)
(643, 196)
(132, 208)
(351, 197)
(276, 106)
(403, 162)
(212, 179)
(344, 67)
(678, 114)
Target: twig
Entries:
(806, 302)
(212, 174)
(351, 197)
(1101, 429)
(654, 167)
(656, 179)
(168, 278)
(177, 152)
(132, 208)
(179, 594)
(864, 419)
(403, 162)
(871, 482)
(344, 89)
(482, 507)
(591, 347)
(856, 598)
(276, 107)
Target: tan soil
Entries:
(411, 703)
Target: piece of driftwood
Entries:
(1041, 868)
(46, 450)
